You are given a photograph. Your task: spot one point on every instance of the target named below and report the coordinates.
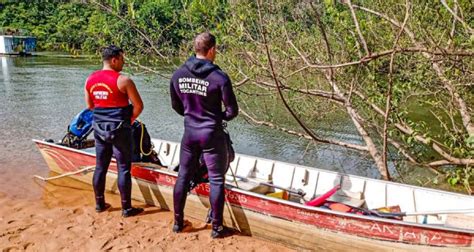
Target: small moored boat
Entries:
(14, 42)
(255, 202)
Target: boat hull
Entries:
(257, 215)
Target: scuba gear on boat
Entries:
(142, 145)
(83, 124)
(78, 131)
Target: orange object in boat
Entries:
(340, 207)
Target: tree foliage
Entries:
(400, 72)
(141, 27)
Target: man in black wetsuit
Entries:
(198, 89)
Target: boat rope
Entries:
(141, 141)
(83, 170)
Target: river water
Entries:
(40, 95)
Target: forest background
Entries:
(399, 72)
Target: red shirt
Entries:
(103, 90)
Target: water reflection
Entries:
(5, 78)
(42, 94)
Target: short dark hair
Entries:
(203, 42)
(110, 52)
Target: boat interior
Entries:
(302, 184)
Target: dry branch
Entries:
(140, 32)
(357, 26)
(279, 89)
(328, 95)
(461, 104)
(355, 117)
(377, 55)
(388, 97)
(299, 134)
(464, 24)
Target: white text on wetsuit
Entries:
(193, 86)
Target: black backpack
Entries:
(142, 145)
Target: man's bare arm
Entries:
(126, 85)
(87, 98)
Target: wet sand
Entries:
(64, 218)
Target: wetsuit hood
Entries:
(200, 67)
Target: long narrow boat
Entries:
(289, 221)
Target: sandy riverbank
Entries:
(63, 219)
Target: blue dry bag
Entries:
(78, 130)
(81, 124)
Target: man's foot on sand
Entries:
(221, 232)
(102, 207)
(132, 212)
(180, 227)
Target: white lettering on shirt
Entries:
(189, 85)
(100, 95)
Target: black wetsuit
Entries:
(112, 133)
(198, 89)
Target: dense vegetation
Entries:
(400, 72)
(142, 27)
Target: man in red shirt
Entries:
(116, 104)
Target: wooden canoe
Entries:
(286, 221)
